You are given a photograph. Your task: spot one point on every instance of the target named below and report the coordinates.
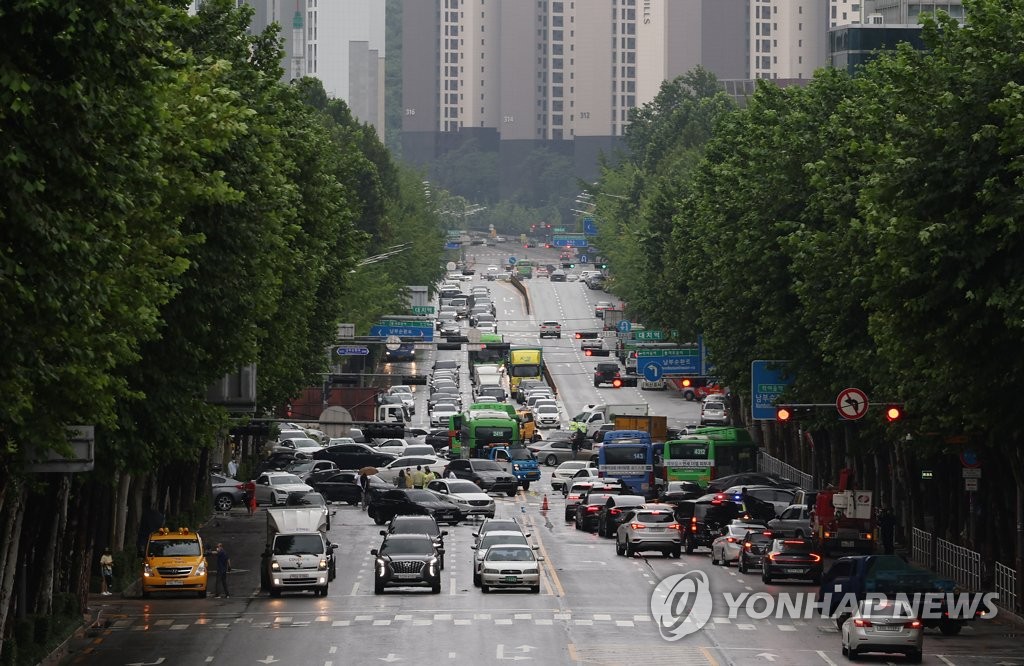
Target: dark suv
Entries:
(606, 373)
(485, 473)
(702, 519)
(615, 509)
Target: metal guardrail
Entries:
(959, 563)
(772, 465)
(1006, 587)
(921, 547)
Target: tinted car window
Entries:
(407, 547)
(654, 517)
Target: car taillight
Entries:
(693, 524)
(815, 557)
(592, 509)
(616, 383)
(240, 486)
(771, 556)
(572, 497)
(731, 539)
(867, 536)
(673, 526)
(746, 546)
(861, 622)
(637, 526)
(615, 512)
(913, 624)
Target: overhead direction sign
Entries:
(768, 381)
(649, 334)
(403, 330)
(667, 362)
(423, 309)
(589, 226)
(852, 403)
(570, 240)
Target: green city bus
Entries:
(708, 453)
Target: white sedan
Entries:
(546, 416)
(726, 548)
(441, 412)
(409, 463)
(273, 487)
(510, 565)
(466, 494)
(566, 470)
(395, 446)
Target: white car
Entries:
(510, 565)
(390, 472)
(340, 440)
(780, 498)
(727, 546)
(490, 539)
(468, 496)
(487, 327)
(406, 394)
(566, 470)
(546, 416)
(883, 625)
(395, 446)
(273, 487)
(441, 412)
(298, 445)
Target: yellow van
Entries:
(174, 561)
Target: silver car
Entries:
(468, 496)
(273, 487)
(794, 521)
(726, 548)
(510, 565)
(564, 472)
(883, 625)
(649, 529)
(227, 492)
(491, 538)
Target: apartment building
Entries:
(907, 12)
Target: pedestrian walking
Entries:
(364, 485)
(408, 478)
(400, 479)
(232, 467)
(223, 567)
(107, 571)
(250, 491)
(417, 477)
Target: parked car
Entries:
(227, 492)
(354, 456)
(558, 452)
(390, 472)
(405, 502)
(305, 468)
(302, 444)
(273, 487)
(407, 560)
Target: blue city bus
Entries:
(629, 455)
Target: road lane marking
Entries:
(821, 653)
(706, 651)
(355, 589)
(945, 661)
(548, 566)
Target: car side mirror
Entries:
(540, 558)
(444, 532)
(333, 547)
(476, 534)
(535, 547)
(373, 551)
(383, 532)
(527, 534)
(440, 551)
(473, 547)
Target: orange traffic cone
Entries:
(544, 504)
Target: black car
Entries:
(418, 525)
(753, 549)
(343, 486)
(279, 460)
(305, 468)
(485, 473)
(309, 499)
(438, 438)
(750, 479)
(407, 560)
(588, 509)
(614, 510)
(607, 373)
(677, 491)
(406, 502)
(354, 456)
(702, 519)
(791, 559)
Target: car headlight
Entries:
(432, 566)
(531, 571)
(380, 565)
(146, 569)
(490, 571)
(201, 569)
(460, 500)
(323, 564)
(515, 467)
(275, 566)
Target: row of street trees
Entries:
(866, 228)
(171, 212)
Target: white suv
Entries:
(550, 329)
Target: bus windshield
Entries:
(626, 455)
(687, 450)
(490, 435)
(525, 371)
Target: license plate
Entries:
(887, 627)
(795, 570)
(406, 576)
(298, 575)
(175, 583)
(511, 579)
(846, 544)
(655, 530)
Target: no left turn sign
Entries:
(852, 403)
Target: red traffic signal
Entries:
(893, 413)
(579, 336)
(686, 382)
(616, 383)
(783, 414)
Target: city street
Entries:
(594, 607)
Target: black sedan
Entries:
(407, 560)
(343, 486)
(789, 559)
(438, 438)
(677, 491)
(354, 456)
(418, 525)
(588, 509)
(399, 502)
(750, 479)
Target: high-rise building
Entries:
(789, 38)
(907, 12)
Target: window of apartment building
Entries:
(766, 62)
(557, 21)
(766, 46)
(556, 105)
(556, 120)
(630, 86)
(556, 135)
(631, 43)
(557, 7)
(557, 35)
(556, 91)
(799, 42)
(556, 77)
(833, 11)
(556, 49)
(766, 30)
(556, 63)
(630, 28)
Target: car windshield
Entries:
(570, 466)
(420, 496)
(654, 517)
(521, 454)
(501, 554)
(467, 487)
(403, 525)
(486, 465)
(395, 547)
(301, 466)
(298, 544)
(504, 525)
(401, 389)
(284, 480)
(489, 540)
(547, 409)
(795, 547)
(882, 608)
(173, 548)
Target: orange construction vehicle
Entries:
(843, 518)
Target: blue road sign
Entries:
(652, 372)
(452, 246)
(353, 351)
(768, 380)
(426, 334)
(624, 326)
(590, 227)
(667, 362)
(583, 258)
(512, 261)
(570, 242)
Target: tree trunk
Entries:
(11, 542)
(52, 552)
(121, 510)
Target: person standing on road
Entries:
(250, 491)
(232, 467)
(417, 477)
(107, 571)
(400, 479)
(428, 476)
(449, 473)
(364, 485)
(223, 567)
(408, 478)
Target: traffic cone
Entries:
(544, 504)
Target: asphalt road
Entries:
(594, 607)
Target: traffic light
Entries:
(686, 382)
(597, 352)
(893, 412)
(572, 265)
(783, 414)
(616, 383)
